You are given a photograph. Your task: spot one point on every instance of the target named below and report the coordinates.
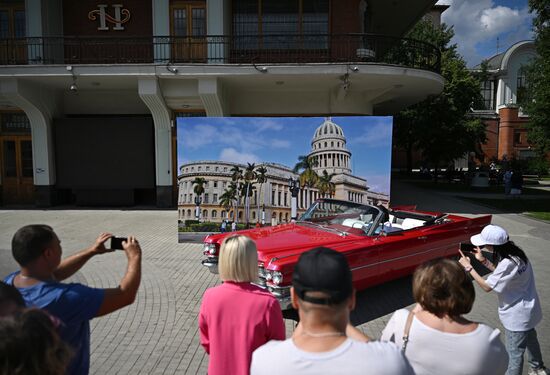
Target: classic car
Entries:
(380, 244)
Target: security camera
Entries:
(73, 88)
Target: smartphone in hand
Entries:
(467, 247)
(116, 242)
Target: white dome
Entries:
(328, 129)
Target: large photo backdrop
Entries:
(241, 169)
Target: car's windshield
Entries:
(341, 215)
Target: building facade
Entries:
(271, 200)
(79, 79)
(502, 91)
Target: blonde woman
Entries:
(237, 317)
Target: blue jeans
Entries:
(516, 343)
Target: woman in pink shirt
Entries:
(237, 317)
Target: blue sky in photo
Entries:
(478, 23)
(282, 139)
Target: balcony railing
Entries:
(266, 49)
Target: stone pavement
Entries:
(158, 334)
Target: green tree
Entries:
(236, 177)
(261, 179)
(538, 81)
(198, 188)
(229, 198)
(325, 184)
(249, 178)
(440, 126)
(308, 177)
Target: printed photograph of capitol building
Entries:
(242, 169)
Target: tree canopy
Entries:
(440, 126)
(538, 78)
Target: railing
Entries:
(266, 49)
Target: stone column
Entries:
(508, 119)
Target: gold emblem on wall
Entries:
(104, 17)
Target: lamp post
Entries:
(294, 188)
(263, 214)
(198, 201)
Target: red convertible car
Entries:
(380, 244)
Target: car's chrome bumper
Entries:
(282, 294)
(211, 263)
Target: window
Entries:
(205, 214)
(188, 213)
(206, 198)
(331, 144)
(185, 197)
(199, 168)
(281, 24)
(215, 184)
(12, 21)
(488, 93)
(207, 168)
(215, 198)
(279, 198)
(225, 169)
(15, 123)
(286, 194)
(273, 197)
(216, 169)
(517, 138)
(223, 214)
(214, 214)
(522, 87)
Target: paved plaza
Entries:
(158, 334)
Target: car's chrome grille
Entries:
(261, 276)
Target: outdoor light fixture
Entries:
(355, 68)
(172, 69)
(73, 87)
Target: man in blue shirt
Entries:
(37, 249)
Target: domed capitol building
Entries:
(328, 153)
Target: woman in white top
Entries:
(439, 340)
(519, 307)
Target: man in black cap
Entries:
(322, 292)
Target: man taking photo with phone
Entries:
(37, 250)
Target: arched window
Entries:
(188, 213)
(331, 144)
(274, 215)
(325, 144)
(286, 216)
(280, 216)
(253, 215)
(214, 214)
(223, 214)
(240, 215)
(205, 214)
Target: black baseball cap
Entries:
(322, 270)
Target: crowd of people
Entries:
(242, 327)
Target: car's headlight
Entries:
(209, 249)
(277, 277)
(268, 275)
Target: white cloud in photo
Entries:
(375, 135)
(379, 183)
(263, 125)
(234, 156)
(195, 137)
(478, 23)
(279, 143)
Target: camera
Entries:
(467, 247)
(116, 242)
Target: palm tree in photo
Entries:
(227, 199)
(308, 177)
(198, 189)
(236, 177)
(325, 185)
(261, 179)
(249, 177)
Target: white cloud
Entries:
(379, 183)
(279, 143)
(232, 155)
(478, 23)
(376, 135)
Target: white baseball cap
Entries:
(490, 235)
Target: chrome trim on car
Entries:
(394, 259)
(211, 263)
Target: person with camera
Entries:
(519, 307)
(37, 250)
(434, 331)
